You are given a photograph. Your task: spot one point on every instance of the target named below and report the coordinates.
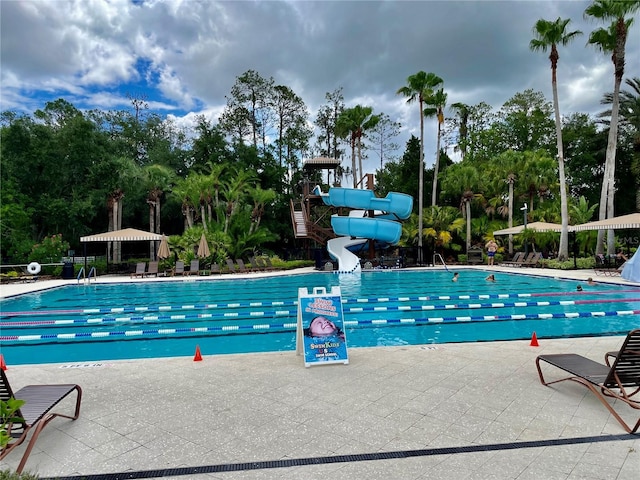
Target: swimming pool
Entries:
(82, 323)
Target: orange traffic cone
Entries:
(3, 365)
(534, 341)
(198, 356)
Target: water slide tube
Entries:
(357, 229)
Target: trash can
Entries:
(67, 271)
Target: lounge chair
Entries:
(516, 261)
(525, 260)
(254, 264)
(241, 266)
(532, 260)
(215, 268)
(620, 381)
(261, 264)
(179, 268)
(36, 412)
(605, 266)
(140, 270)
(270, 266)
(152, 270)
(194, 268)
(231, 266)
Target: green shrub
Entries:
(581, 263)
(9, 475)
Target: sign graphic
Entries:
(320, 332)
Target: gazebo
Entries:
(124, 235)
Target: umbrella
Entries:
(616, 223)
(535, 226)
(163, 249)
(203, 247)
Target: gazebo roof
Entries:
(321, 163)
(125, 235)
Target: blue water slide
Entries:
(383, 230)
(399, 204)
(357, 229)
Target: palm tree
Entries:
(419, 86)
(444, 223)
(463, 180)
(548, 36)
(611, 40)
(438, 100)
(157, 179)
(354, 122)
(463, 111)
(629, 115)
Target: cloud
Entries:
(184, 56)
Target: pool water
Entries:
(83, 323)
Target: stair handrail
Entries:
(437, 255)
(80, 273)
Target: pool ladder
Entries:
(438, 256)
(87, 279)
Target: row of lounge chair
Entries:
(520, 259)
(618, 379)
(194, 268)
(256, 264)
(143, 271)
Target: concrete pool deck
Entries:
(463, 411)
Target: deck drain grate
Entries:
(361, 457)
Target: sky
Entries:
(183, 56)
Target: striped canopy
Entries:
(125, 235)
(616, 223)
(535, 226)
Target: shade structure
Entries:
(163, 249)
(631, 221)
(203, 247)
(321, 163)
(125, 235)
(535, 226)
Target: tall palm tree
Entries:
(464, 180)
(419, 86)
(612, 40)
(156, 179)
(629, 115)
(354, 122)
(463, 111)
(548, 36)
(437, 101)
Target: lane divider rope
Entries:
(292, 326)
(209, 306)
(280, 313)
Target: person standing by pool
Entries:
(492, 248)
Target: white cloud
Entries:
(186, 55)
